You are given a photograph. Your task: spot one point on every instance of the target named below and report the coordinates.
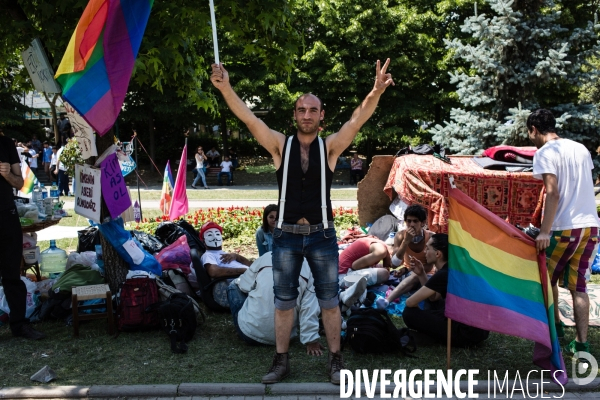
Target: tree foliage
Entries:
(521, 58)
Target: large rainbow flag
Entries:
(95, 70)
(498, 282)
(166, 195)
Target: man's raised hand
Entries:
(219, 76)
(382, 79)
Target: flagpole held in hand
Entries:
(214, 31)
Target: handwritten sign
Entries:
(39, 68)
(114, 190)
(83, 132)
(87, 195)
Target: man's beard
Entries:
(307, 129)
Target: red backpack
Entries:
(136, 295)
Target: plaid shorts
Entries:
(570, 255)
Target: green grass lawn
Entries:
(217, 355)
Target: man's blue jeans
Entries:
(229, 177)
(321, 252)
(236, 300)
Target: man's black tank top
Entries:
(303, 194)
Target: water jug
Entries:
(53, 261)
(54, 190)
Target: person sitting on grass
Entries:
(217, 262)
(252, 304)
(362, 258)
(431, 322)
(408, 244)
(264, 233)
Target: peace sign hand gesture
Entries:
(382, 79)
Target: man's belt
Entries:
(304, 229)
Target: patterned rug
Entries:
(424, 180)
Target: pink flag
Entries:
(179, 205)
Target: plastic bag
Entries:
(128, 248)
(88, 238)
(32, 299)
(150, 243)
(87, 258)
(29, 240)
(176, 256)
(596, 264)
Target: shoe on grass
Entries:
(335, 363)
(280, 369)
(28, 332)
(560, 330)
(575, 347)
(349, 296)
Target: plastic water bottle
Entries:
(37, 194)
(390, 239)
(54, 190)
(44, 191)
(53, 261)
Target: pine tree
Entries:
(520, 59)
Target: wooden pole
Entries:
(448, 344)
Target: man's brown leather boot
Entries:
(335, 364)
(280, 369)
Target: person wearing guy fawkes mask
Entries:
(217, 262)
(409, 245)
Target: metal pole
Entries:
(137, 175)
(448, 344)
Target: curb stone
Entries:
(223, 389)
(133, 390)
(242, 389)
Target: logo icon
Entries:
(580, 364)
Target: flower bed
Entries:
(241, 221)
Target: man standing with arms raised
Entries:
(305, 228)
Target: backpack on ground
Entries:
(178, 280)
(135, 296)
(166, 291)
(372, 331)
(177, 319)
(384, 226)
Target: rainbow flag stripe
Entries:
(166, 196)
(29, 180)
(498, 282)
(97, 65)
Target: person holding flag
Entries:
(305, 228)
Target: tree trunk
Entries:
(54, 116)
(114, 266)
(224, 134)
(151, 132)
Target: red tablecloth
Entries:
(424, 180)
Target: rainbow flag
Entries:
(498, 282)
(29, 181)
(179, 204)
(97, 65)
(166, 196)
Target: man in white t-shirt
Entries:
(226, 167)
(569, 231)
(61, 172)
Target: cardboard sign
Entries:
(83, 133)
(114, 190)
(87, 195)
(40, 70)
